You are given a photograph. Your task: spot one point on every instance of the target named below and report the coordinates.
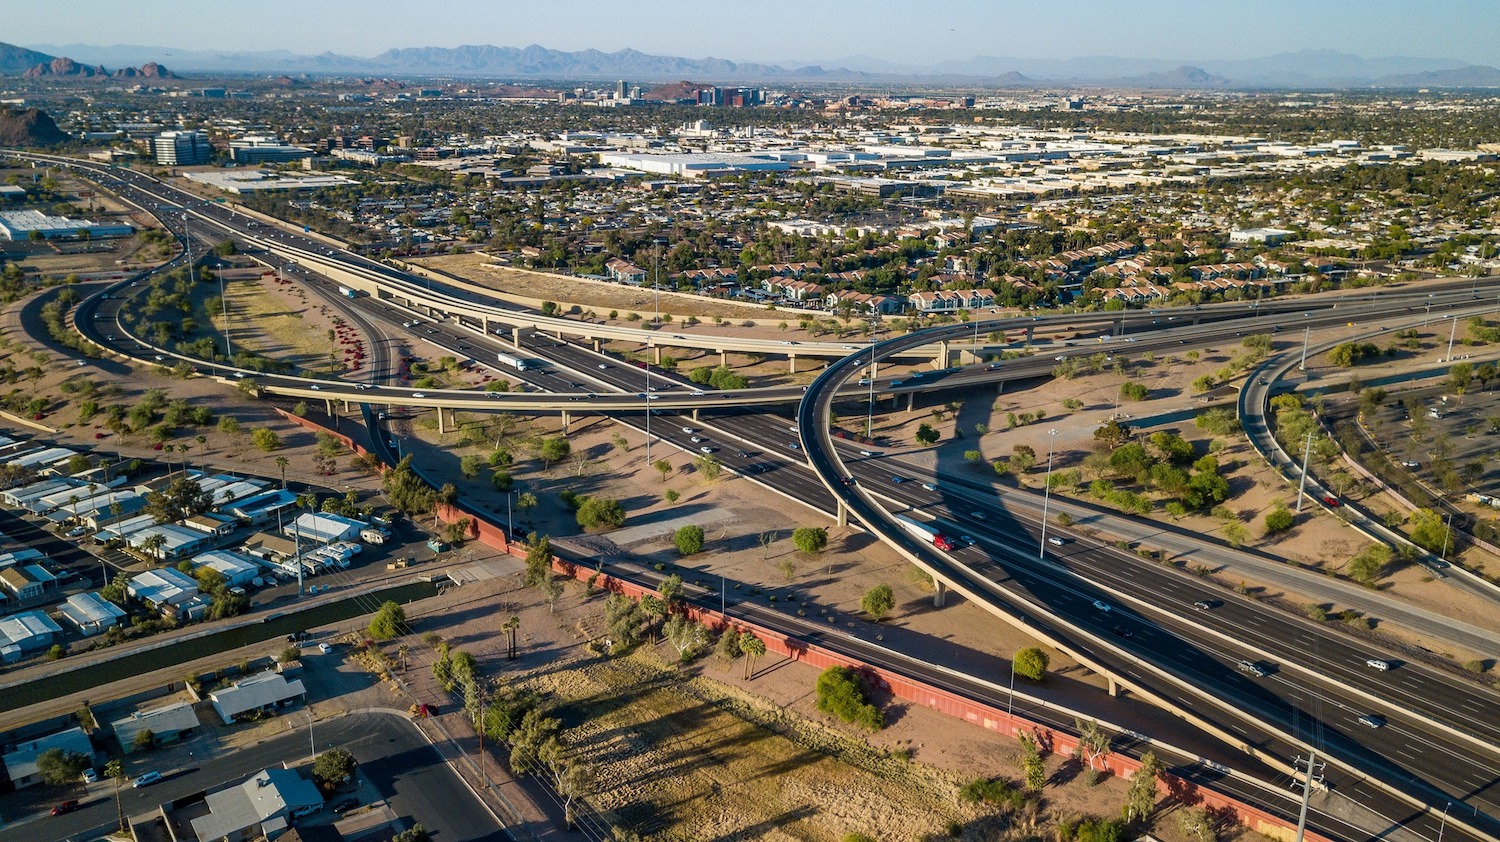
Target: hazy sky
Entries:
(906, 31)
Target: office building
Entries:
(182, 149)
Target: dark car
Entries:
(65, 807)
(1121, 631)
(346, 805)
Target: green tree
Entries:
(1279, 519)
(1022, 457)
(1112, 434)
(333, 767)
(1031, 663)
(878, 601)
(181, 499)
(1428, 531)
(265, 440)
(1132, 391)
(689, 540)
(663, 467)
(841, 693)
(115, 771)
(601, 513)
(707, 467)
(59, 767)
(810, 539)
(754, 648)
(538, 561)
(554, 449)
(1140, 800)
(1367, 566)
(927, 436)
(728, 647)
(389, 621)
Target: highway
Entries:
(775, 452)
(1156, 653)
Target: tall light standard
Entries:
(1452, 332)
(1302, 482)
(1041, 550)
(646, 398)
(1010, 701)
(1444, 825)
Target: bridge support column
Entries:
(695, 413)
(328, 406)
(939, 594)
(484, 324)
(1119, 325)
(567, 421)
(442, 422)
(1029, 332)
(346, 406)
(843, 514)
(874, 369)
(515, 336)
(999, 387)
(656, 355)
(724, 358)
(911, 401)
(1114, 686)
(792, 362)
(941, 361)
(598, 346)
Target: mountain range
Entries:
(1304, 69)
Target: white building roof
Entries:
(17, 629)
(168, 719)
(90, 609)
(254, 692)
(162, 586)
(271, 795)
(21, 763)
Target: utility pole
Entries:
(1311, 777)
(1302, 483)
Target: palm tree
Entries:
(510, 626)
(153, 544)
(115, 770)
(281, 462)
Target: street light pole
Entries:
(1444, 825)
(1452, 332)
(1306, 335)
(1041, 550)
(1302, 484)
(1010, 700)
(647, 400)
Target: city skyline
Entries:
(827, 32)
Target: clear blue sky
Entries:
(907, 31)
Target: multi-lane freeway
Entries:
(1150, 620)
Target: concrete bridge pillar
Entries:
(1119, 325)
(939, 594)
(515, 336)
(328, 406)
(346, 406)
(911, 401)
(484, 324)
(598, 345)
(723, 358)
(567, 421)
(442, 422)
(1030, 331)
(874, 369)
(1114, 686)
(792, 362)
(843, 514)
(656, 355)
(941, 361)
(999, 387)
(695, 413)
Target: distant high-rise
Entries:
(181, 149)
(621, 91)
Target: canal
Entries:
(140, 663)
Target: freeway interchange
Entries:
(1440, 736)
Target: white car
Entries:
(1103, 606)
(688, 430)
(324, 648)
